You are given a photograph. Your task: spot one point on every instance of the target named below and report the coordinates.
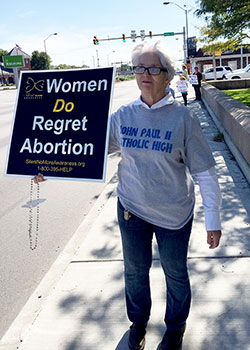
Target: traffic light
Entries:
(150, 34)
(95, 41)
(123, 38)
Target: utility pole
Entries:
(185, 46)
(214, 66)
(97, 58)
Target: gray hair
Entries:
(156, 48)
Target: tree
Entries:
(125, 68)
(227, 20)
(2, 53)
(63, 66)
(40, 60)
(67, 66)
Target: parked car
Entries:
(221, 72)
(239, 73)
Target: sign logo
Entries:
(34, 89)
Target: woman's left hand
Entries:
(38, 178)
(213, 238)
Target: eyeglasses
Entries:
(151, 70)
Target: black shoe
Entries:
(172, 340)
(136, 338)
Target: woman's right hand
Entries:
(39, 178)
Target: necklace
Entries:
(33, 241)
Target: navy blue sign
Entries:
(192, 46)
(61, 124)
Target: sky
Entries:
(28, 23)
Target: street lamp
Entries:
(186, 39)
(108, 57)
(45, 41)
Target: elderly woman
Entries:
(161, 144)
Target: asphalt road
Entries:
(63, 206)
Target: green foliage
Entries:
(227, 20)
(124, 77)
(63, 66)
(40, 60)
(2, 53)
(67, 66)
(243, 95)
(218, 137)
(126, 68)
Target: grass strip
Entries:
(243, 95)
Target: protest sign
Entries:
(182, 85)
(193, 79)
(61, 124)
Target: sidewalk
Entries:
(4, 87)
(85, 310)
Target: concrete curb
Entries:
(7, 88)
(21, 326)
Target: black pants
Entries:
(197, 92)
(184, 95)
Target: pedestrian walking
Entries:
(197, 87)
(171, 90)
(161, 144)
(182, 86)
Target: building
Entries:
(7, 74)
(235, 59)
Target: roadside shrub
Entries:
(124, 77)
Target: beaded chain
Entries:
(33, 245)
